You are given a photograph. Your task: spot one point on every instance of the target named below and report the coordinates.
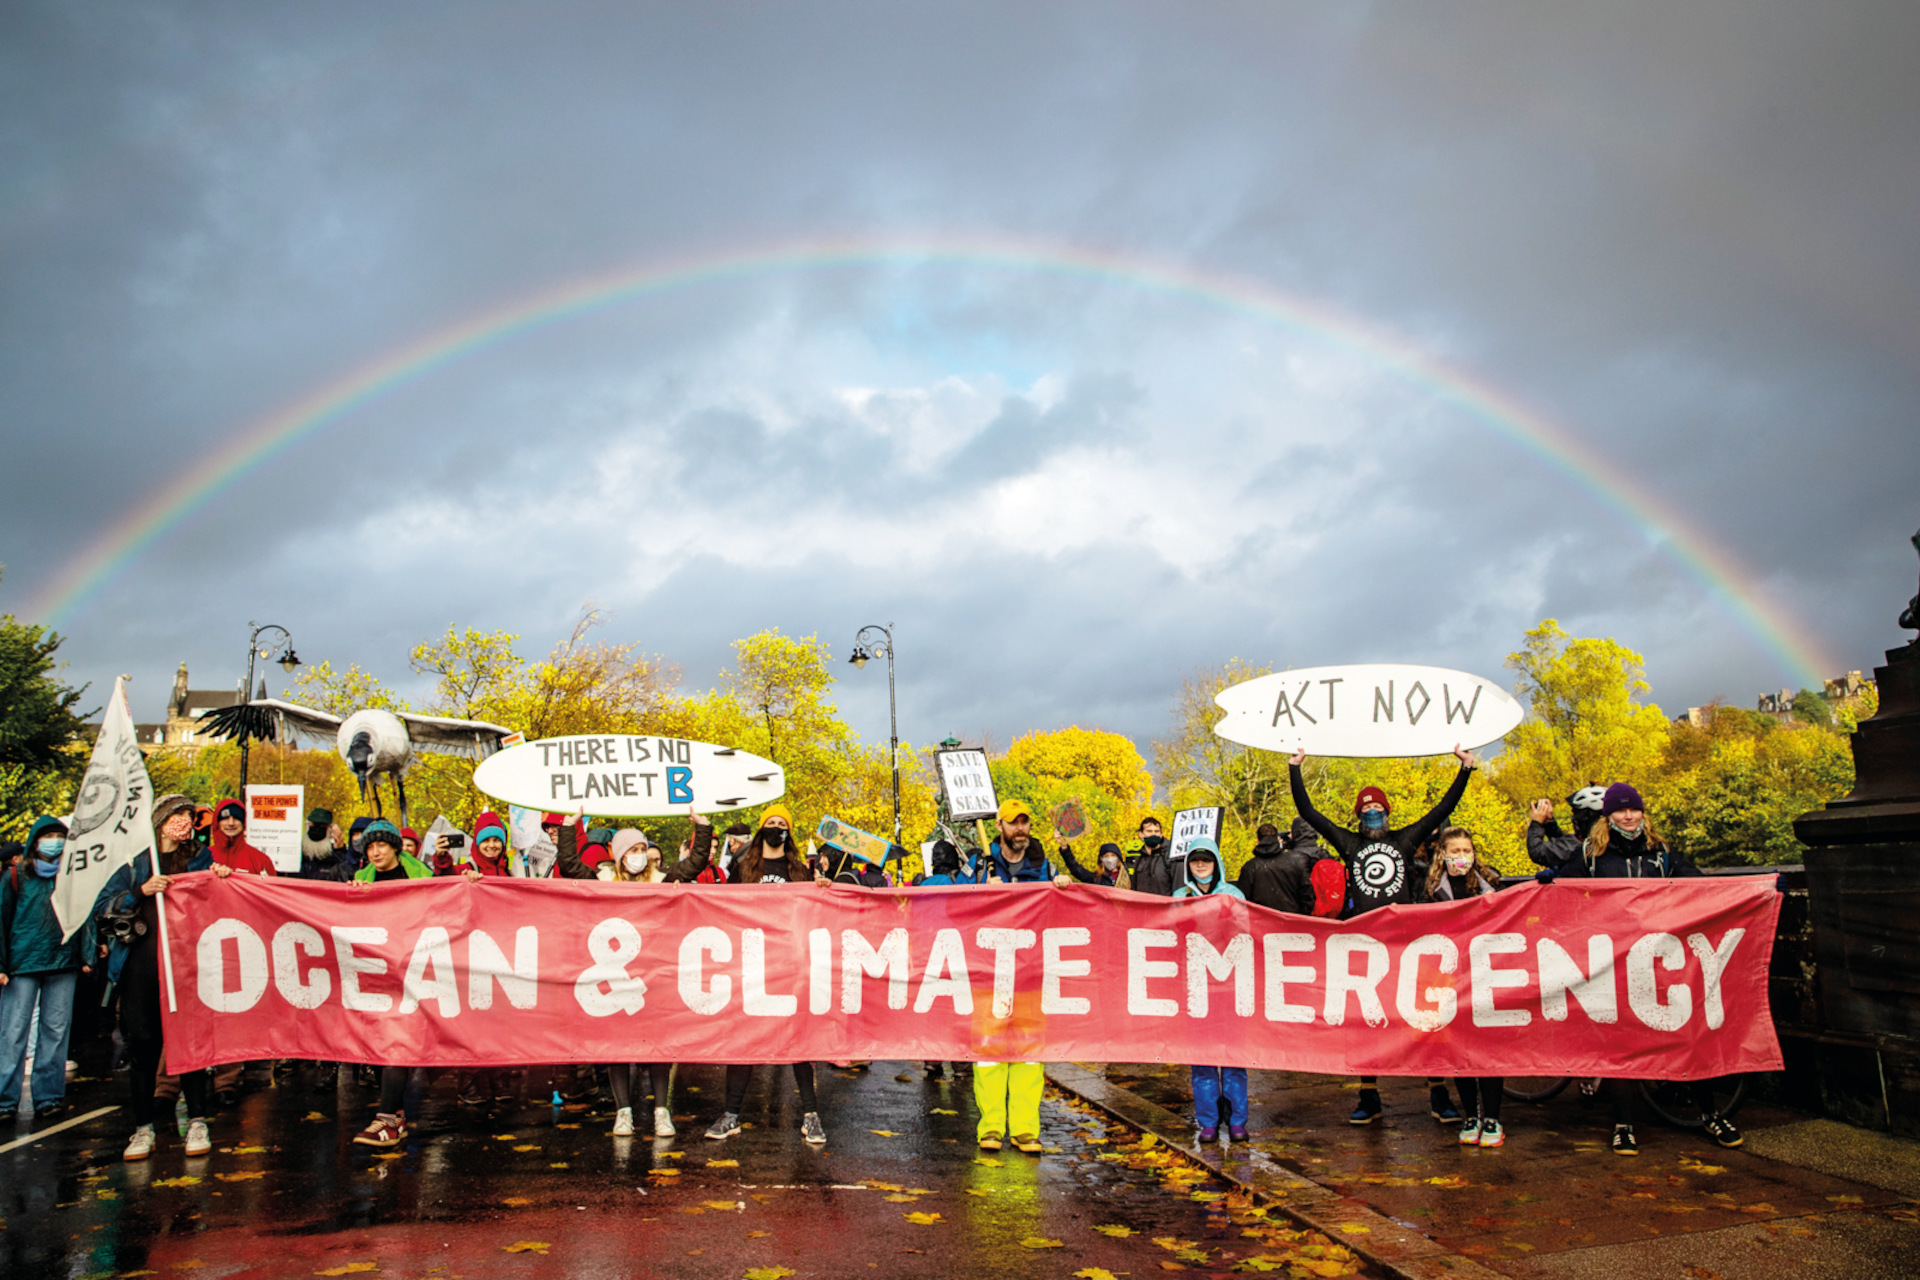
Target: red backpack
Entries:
(1328, 876)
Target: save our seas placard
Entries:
(629, 775)
(1371, 709)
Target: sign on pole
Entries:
(1195, 824)
(968, 783)
(274, 817)
(1069, 820)
(1368, 710)
(112, 820)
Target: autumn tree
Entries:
(1727, 791)
(1103, 771)
(43, 749)
(1585, 720)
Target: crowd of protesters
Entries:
(1361, 867)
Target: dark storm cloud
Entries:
(1684, 234)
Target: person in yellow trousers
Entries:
(1008, 1093)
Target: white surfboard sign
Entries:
(628, 775)
(1367, 709)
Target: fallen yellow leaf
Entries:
(516, 1201)
(723, 1204)
(311, 1115)
(922, 1219)
(758, 1235)
(723, 1164)
(990, 1162)
(349, 1269)
(1172, 1244)
(246, 1176)
(505, 1137)
(249, 1151)
(770, 1273)
(527, 1146)
(184, 1180)
(885, 1186)
(1147, 1140)
(944, 1111)
(899, 1197)
(1115, 1230)
(557, 1164)
(883, 1133)
(1093, 1273)
(528, 1246)
(1041, 1242)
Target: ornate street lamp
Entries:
(880, 645)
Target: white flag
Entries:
(112, 816)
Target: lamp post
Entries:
(879, 646)
(287, 660)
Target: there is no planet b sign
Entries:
(1368, 709)
(628, 775)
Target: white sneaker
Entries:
(198, 1140)
(1470, 1133)
(662, 1123)
(623, 1123)
(141, 1145)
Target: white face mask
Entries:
(634, 862)
(1460, 863)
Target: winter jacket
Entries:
(1217, 885)
(237, 852)
(323, 860)
(1381, 867)
(1548, 846)
(683, 871)
(1154, 872)
(1117, 879)
(1023, 870)
(1630, 859)
(415, 869)
(1452, 888)
(848, 869)
(29, 931)
(1279, 875)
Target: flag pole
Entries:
(166, 953)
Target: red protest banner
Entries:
(1656, 979)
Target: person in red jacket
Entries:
(229, 841)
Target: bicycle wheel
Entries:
(1672, 1100)
(1534, 1089)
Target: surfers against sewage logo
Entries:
(1380, 869)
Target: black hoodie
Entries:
(1381, 869)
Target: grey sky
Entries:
(1684, 234)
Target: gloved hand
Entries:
(1544, 875)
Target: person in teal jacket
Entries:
(386, 862)
(38, 971)
(1205, 879)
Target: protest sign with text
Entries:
(1194, 824)
(1375, 709)
(1664, 979)
(628, 775)
(275, 816)
(968, 784)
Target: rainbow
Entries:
(1797, 653)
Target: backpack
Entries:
(1328, 876)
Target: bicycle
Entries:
(1671, 1100)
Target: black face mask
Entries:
(773, 837)
(1154, 842)
(316, 832)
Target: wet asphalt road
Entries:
(523, 1188)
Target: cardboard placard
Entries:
(1195, 824)
(1069, 820)
(861, 844)
(968, 784)
(275, 816)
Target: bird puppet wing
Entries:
(269, 720)
(474, 739)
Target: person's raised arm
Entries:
(1074, 868)
(1422, 831)
(568, 860)
(685, 870)
(1547, 845)
(1304, 803)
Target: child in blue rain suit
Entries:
(1204, 877)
